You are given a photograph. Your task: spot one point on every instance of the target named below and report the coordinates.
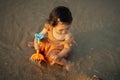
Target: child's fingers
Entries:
(37, 47)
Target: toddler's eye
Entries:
(60, 30)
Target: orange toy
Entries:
(37, 56)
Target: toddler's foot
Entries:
(30, 44)
(67, 66)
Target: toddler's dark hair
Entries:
(61, 12)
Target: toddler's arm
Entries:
(44, 31)
(67, 46)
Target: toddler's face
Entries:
(61, 28)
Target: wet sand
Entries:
(96, 29)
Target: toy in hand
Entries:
(37, 56)
(39, 36)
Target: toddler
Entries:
(56, 45)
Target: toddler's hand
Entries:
(36, 46)
(55, 58)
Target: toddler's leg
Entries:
(66, 64)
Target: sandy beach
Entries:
(95, 27)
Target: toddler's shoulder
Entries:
(47, 26)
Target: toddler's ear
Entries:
(59, 21)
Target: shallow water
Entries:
(95, 28)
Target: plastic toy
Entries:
(37, 56)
